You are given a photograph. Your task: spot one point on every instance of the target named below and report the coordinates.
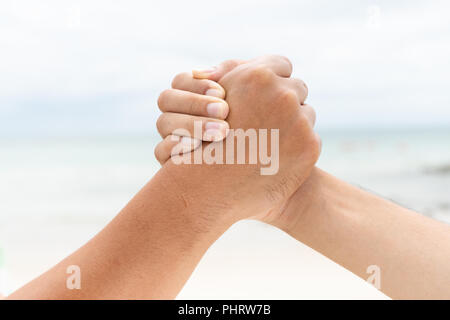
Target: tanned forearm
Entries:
(357, 229)
(147, 252)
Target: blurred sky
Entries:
(97, 66)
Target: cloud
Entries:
(99, 65)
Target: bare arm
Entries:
(148, 251)
(357, 229)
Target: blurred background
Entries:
(78, 87)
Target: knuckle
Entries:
(230, 64)
(191, 105)
(303, 123)
(287, 98)
(300, 87)
(160, 123)
(179, 79)
(278, 58)
(308, 119)
(286, 60)
(316, 144)
(157, 152)
(313, 145)
(281, 57)
(163, 99)
(305, 87)
(300, 84)
(259, 74)
(313, 114)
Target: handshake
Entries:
(238, 143)
(258, 99)
(208, 115)
(263, 97)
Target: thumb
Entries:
(216, 73)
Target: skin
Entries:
(357, 229)
(352, 227)
(148, 251)
(151, 247)
(248, 85)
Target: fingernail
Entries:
(214, 131)
(216, 109)
(203, 72)
(214, 125)
(213, 135)
(215, 93)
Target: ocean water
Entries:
(56, 193)
(408, 166)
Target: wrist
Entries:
(194, 192)
(309, 199)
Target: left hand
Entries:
(190, 100)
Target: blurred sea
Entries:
(58, 192)
(66, 179)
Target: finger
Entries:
(174, 145)
(280, 65)
(216, 73)
(299, 87)
(173, 100)
(310, 114)
(202, 128)
(185, 81)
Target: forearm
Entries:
(148, 251)
(357, 229)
